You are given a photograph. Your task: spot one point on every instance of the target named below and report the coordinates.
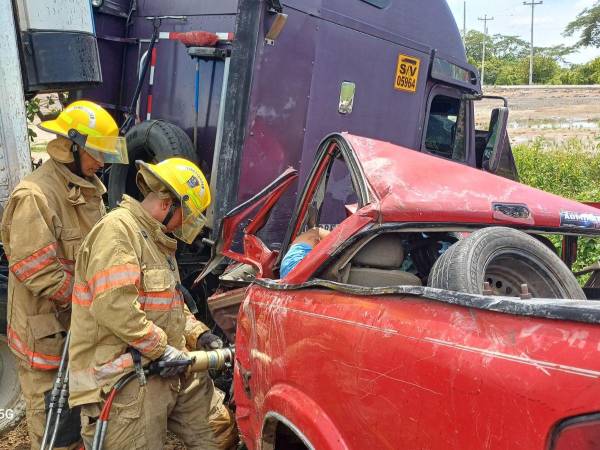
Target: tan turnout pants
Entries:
(34, 383)
(141, 416)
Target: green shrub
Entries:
(571, 170)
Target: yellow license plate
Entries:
(407, 73)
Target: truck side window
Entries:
(446, 128)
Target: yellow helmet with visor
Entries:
(92, 128)
(188, 185)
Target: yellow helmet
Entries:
(186, 183)
(91, 127)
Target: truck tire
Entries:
(12, 404)
(150, 141)
(3, 306)
(184, 141)
(505, 258)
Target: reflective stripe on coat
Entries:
(124, 297)
(44, 222)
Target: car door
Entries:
(282, 335)
(243, 224)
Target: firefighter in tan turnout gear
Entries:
(127, 298)
(47, 216)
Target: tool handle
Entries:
(204, 360)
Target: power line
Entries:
(485, 19)
(533, 4)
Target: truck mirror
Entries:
(496, 143)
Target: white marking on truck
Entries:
(520, 359)
(578, 338)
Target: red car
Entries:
(412, 324)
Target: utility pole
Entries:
(533, 5)
(485, 19)
(464, 22)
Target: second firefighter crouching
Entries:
(125, 296)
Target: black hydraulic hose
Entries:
(62, 401)
(188, 298)
(132, 7)
(138, 88)
(56, 391)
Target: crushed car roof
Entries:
(417, 187)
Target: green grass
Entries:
(38, 148)
(570, 169)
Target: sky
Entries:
(513, 18)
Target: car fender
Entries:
(303, 415)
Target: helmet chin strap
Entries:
(77, 159)
(172, 208)
(78, 141)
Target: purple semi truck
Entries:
(282, 76)
(246, 88)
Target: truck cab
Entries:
(289, 73)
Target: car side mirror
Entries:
(496, 143)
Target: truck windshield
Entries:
(446, 128)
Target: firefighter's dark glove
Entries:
(209, 341)
(173, 356)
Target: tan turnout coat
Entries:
(124, 297)
(44, 222)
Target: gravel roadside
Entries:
(18, 439)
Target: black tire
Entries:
(506, 258)
(150, 141)
(439, 270)
(184, 141)
(3, 306)
(12, 404)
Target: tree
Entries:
(474, 46)
(510, 47)
(507, 61)
(587, 23)
(545, 68)
(512, 73)
(558, 53)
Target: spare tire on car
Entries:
(505, 258)
(150, 141)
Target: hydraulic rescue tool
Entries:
(198, 361)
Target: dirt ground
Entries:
(18, 439)
(554, 113)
